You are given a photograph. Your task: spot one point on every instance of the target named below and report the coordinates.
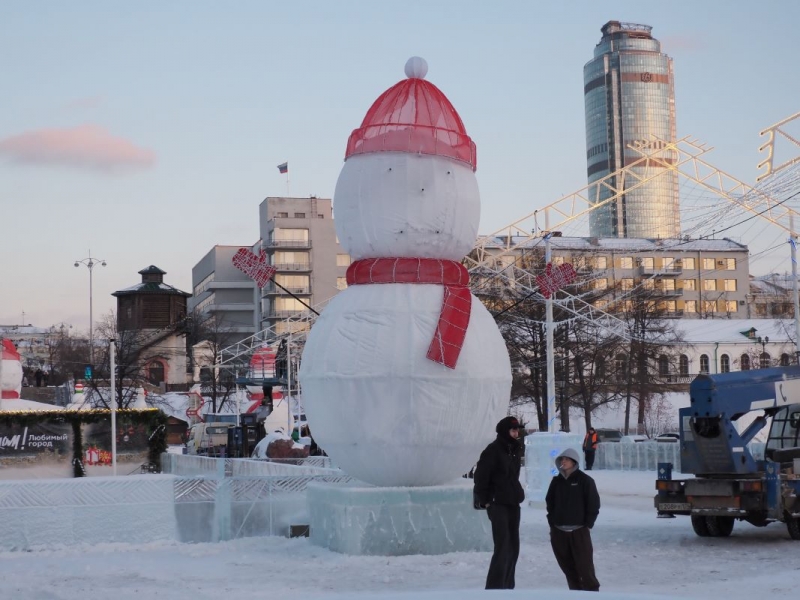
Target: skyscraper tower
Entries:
(629, 95)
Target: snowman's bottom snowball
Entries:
(382, 411)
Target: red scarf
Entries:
(456, 306)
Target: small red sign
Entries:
(254, 266)
(553, 279)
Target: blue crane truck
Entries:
(729, 484)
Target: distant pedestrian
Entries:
(572, 508)
(590, 447)
(497, 489)
(38, 377)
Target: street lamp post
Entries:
(762, 362)
(90, 262)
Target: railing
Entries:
(301, 266)
(288, 243)
(670, 270)
(285, 314)
(286, 290)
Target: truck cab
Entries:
(730, 483)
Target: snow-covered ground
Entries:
(636, 554)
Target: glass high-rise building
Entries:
(629, 95)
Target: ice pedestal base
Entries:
(360, 519)
(541, 450)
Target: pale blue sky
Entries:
(198, 102)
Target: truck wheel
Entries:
(700, 525)
(793, 525)
(719, 526)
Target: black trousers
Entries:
(575, 556)
(505, 533)
(589, 455)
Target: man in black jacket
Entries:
(497, 489)
(572, 508)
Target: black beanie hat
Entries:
(506, 424)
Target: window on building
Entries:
(785, 360)
(710, 285)
(648, 284)
(342, 260)
(690, 306)
(731, 306)
(299, 215)
(284, 260)
(289, 235)
(648, 262)
(557, 260)
(203, 285)
(690, 284)
(669, 263)
(708, 264)
(764, 360)
(668, 284)
(282, 327)
(683, 364)
(601, 284)
(155, 372)
(709, 306)
(670, 306)
(730, 264)
(600, 369)
(341, 283)
(663, 365)
(297, 284)
(626, 283)
(730, 285)
(688, 263)
(744, 361)
(282, 215)
(621, 367)
(601, 262)
(626, 262)
(289, 304)
(320, 216)
(704, 363)
(725, 364)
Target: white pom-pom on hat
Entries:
(416, 68)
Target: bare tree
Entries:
(136, 350)
(208, 336)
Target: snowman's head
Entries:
(408, 187)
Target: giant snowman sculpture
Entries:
(405, 373)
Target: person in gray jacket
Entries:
(572, 508)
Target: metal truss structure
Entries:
(488, 270)
(773, 132)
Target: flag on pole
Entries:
(283, 168)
